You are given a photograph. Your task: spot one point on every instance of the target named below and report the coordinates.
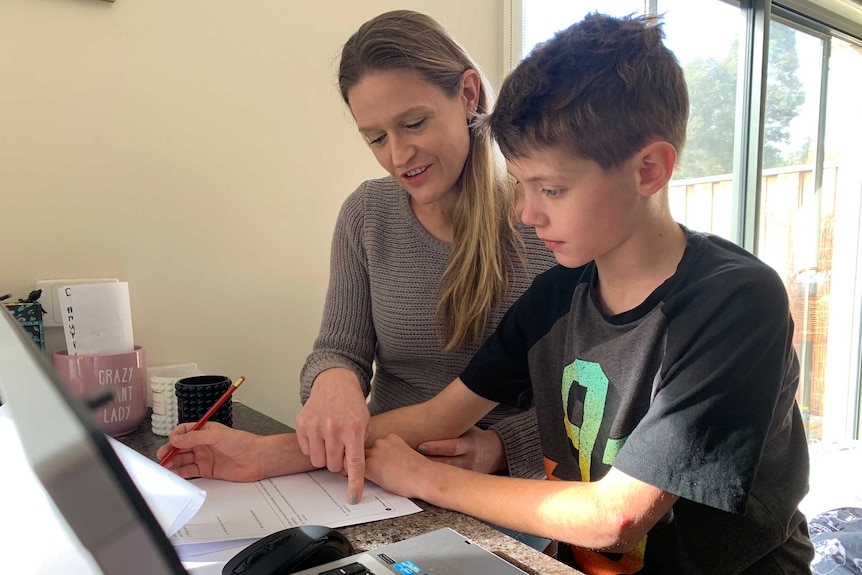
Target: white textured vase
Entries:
(165, 415)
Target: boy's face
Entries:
(579, 210)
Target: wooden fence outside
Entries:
(705, 204)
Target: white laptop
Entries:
(80, 471)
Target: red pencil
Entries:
(206, 416)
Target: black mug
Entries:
(198, 393)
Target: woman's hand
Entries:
(216, 451)
(332, 427)
(477, 450)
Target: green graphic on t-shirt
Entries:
(591, 377)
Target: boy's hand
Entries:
(476, 450)
(395, 466)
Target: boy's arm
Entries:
(613, 514)
(448, 414)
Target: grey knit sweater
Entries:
(379, 315)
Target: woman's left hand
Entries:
(476, 450)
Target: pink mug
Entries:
(126, 372)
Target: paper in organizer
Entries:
(97, 318)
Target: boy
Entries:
(659, 359)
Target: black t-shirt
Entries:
(693, 391)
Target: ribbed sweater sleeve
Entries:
(520, 435)
(380, 311)
(346, 337)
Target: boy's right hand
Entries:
(332, 427)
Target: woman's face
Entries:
(417, 132)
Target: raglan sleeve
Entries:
(729, 371)
(500, 369)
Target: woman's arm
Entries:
(332, 425)
(347, 337)
(221, 452)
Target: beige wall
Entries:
(197, 149)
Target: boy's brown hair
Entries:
(603, 88)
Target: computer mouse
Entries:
(290, 550)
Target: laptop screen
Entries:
(77, 466)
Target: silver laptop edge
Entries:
(76, 464)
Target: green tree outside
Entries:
(712, 88)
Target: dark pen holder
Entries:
(196, 394)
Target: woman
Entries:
(424, 262)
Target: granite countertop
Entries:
(367, 536)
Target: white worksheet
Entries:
(241, 511)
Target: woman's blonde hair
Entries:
(485, 238)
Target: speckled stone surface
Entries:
(367, 536)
